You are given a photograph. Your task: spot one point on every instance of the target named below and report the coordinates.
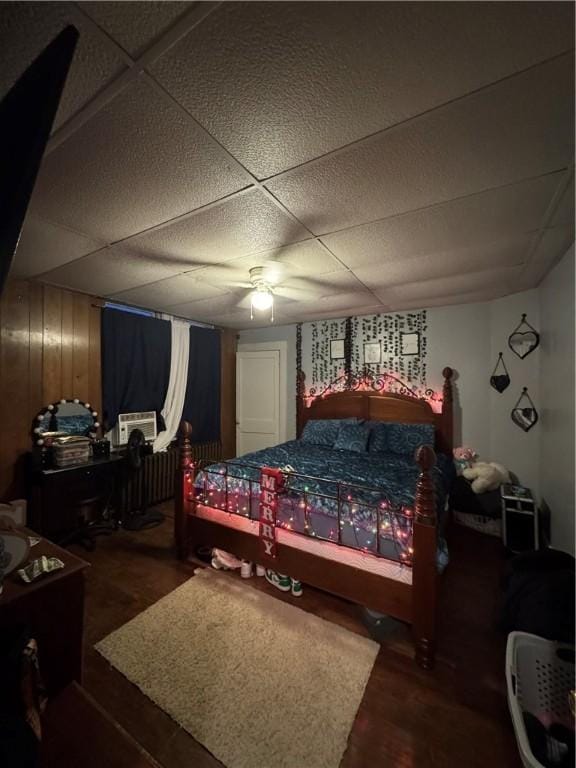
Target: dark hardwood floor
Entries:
(454, 716)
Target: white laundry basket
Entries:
(539, 676)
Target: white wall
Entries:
(466, 337)
(510, 445)
(557, 391)
(458, 337)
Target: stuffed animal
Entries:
(463, 458)
(486, 476)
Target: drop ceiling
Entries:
(389, 155)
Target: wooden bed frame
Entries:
(414, 603)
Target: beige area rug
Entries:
(260, 683)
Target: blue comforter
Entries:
(362, 500)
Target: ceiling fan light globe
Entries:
(262, 300)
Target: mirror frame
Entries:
(51, 407)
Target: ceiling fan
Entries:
(265, 284)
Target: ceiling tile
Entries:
(307, 258)
(27, 28)
(329, 284)
(347, 302)
(426, 290)
(44, 246)
(135, 25)
(166, 293)
(295, 83)
(471, 297)
(565, 213)
(520, 128)
(140, 161)
(552, 246)
(480, 218)
(108, 272)
(359, 308)
(247, 222)
(209, 308)
(505, 252)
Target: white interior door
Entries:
(257, 400)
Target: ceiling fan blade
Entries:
(273, 272)
(245, 301)
(297, 294)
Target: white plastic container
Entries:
(539, 681)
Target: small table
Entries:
(52, 607)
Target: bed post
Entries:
(447, 425)
(181, 490)
(424, 570)
(300, 404)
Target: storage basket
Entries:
(539, 677)
(74, 451)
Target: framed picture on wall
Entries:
(410, 343)
(372, 352)
(336, 349)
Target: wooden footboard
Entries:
(414, 603)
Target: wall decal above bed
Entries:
(395, 344)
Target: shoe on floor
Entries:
(219, 566)
(296, 587)
(278, 580)
(246, 569)
(260, 570)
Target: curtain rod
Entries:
(155, 314)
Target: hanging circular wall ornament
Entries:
(523, 339)
(524, 413)
(500, 379)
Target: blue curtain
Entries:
(135, 364)
(202, 403)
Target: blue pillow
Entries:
(378, 440)
(323, 431)
(352, 437)
(403, 439)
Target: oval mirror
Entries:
(66, 417)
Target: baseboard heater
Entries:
(157, 476)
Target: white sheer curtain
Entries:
(174, 402)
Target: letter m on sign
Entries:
(271, 481)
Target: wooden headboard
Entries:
(375, 405)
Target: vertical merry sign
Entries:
(271, 483)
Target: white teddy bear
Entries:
(486, 476)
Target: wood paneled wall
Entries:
(49, 348)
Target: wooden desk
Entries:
(56, 493)
(52, 607)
